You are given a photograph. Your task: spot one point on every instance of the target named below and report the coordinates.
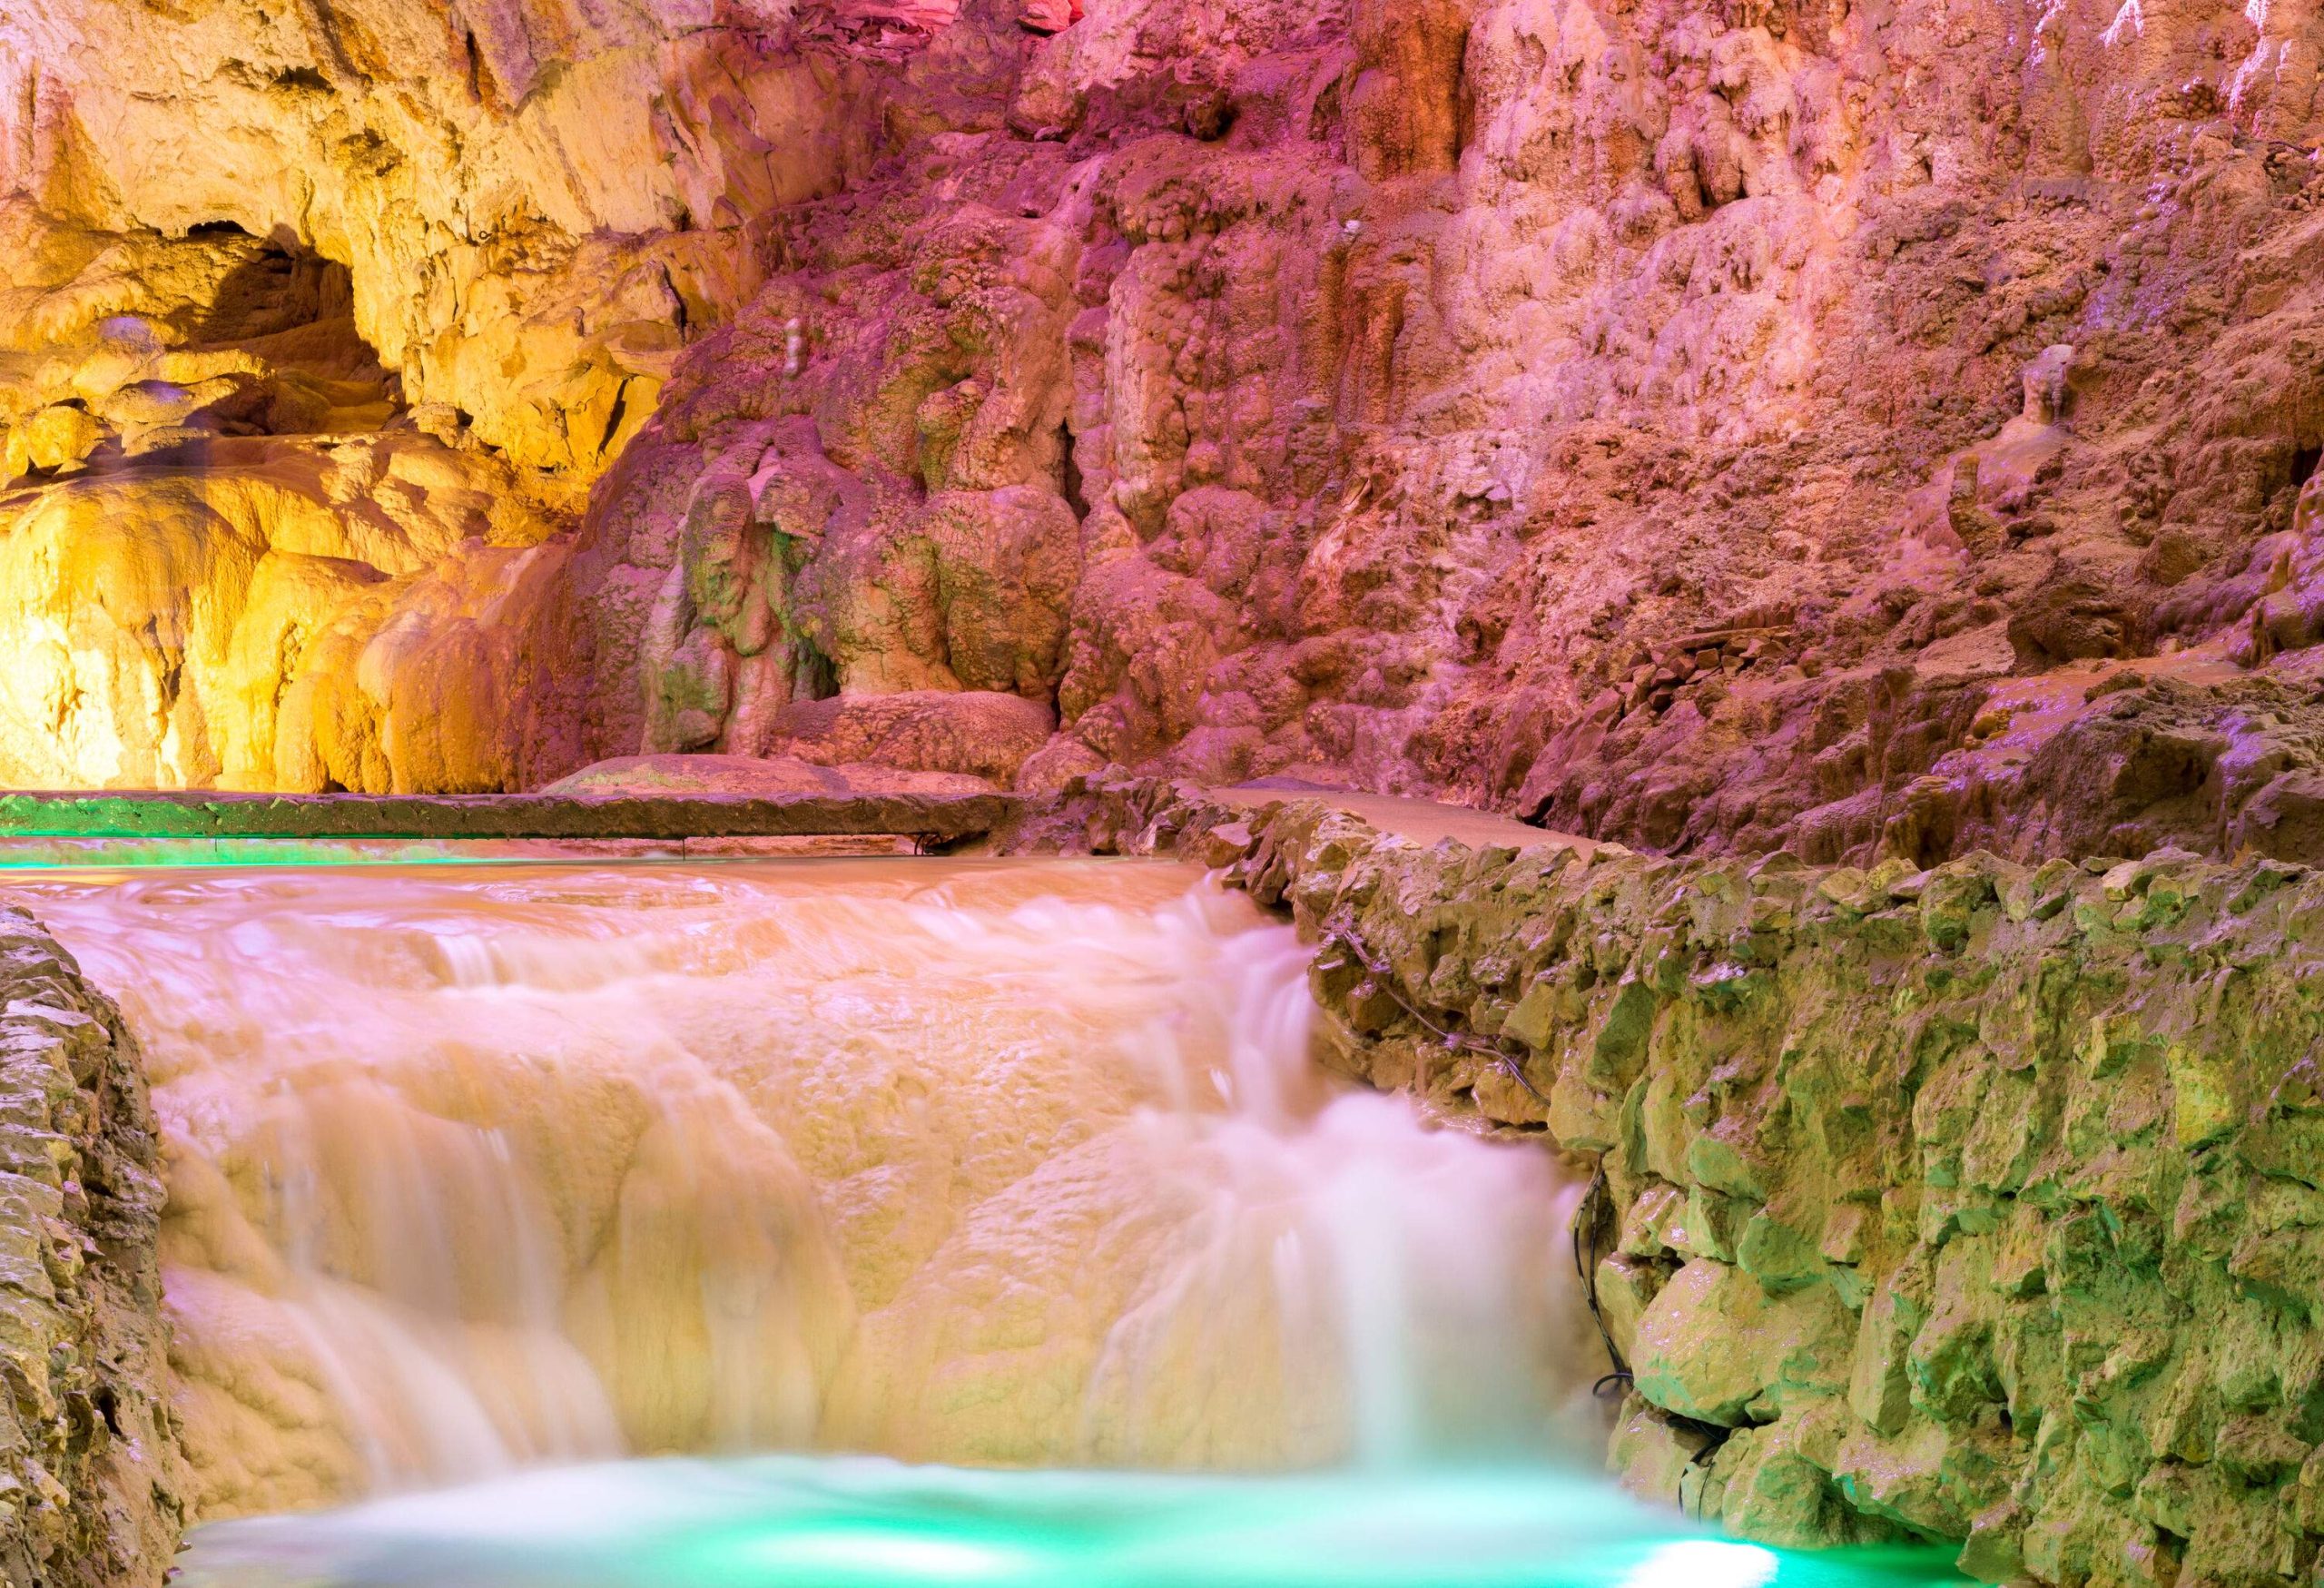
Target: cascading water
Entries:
(473, 1170)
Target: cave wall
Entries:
(1977, 1203)
(532, 201)
(1857, 428)
(1849, 429)
(258, 543)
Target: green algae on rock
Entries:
(1983, 1203)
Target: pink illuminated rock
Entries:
(878, 24)
(1050, 15)
(1713, 427)
(968, 733)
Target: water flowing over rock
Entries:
(1852, 428)
(1857, 458)
(954, 1162)
(1976, 1203)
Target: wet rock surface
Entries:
(94, 1483)
(1974, 1203)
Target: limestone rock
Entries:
(1050, 15)
(973, 733)
(970, 591)
(93, 1453)
(755, 776)
(1714, 430)
(2024, 1255)
(1714, 1347)
(1650, 1456)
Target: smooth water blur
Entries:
(837, 1523)
(476, 1169)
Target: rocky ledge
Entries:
(90, 1473)
(1983, 1203)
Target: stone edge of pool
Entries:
(1980, 1203)
(205, 814)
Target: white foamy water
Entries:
(475, 1167)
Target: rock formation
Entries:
(1874, 433)
(1851, 427)
(1976, 1203)
(94, 1485)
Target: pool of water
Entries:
(795, 1522)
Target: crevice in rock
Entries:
(614, 417)
(813, 676)
(1070, 485)
(281, 287)
(303, 79)
(294, 309)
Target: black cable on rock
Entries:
(1587, 1217)
(1340, 930)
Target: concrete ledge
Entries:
(206, 813)
(1424, 821)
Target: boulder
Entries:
(978, 733)
(1715, 1347)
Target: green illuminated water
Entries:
(797, 1522)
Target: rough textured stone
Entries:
(1980, 1203)
(89, 1457)
(754, 776)
(945, 815)
(1714, 1347)
(975, 733)
(1858, 431)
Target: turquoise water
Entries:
(801, 1521)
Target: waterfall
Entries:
(476, 1167)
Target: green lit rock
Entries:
(1982, 1203)
(1650, 1456)
(1716, 1347)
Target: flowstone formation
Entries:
(1979, 1203)
(1858, 428)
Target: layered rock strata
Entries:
(1977, 1203)
(91, 1481)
